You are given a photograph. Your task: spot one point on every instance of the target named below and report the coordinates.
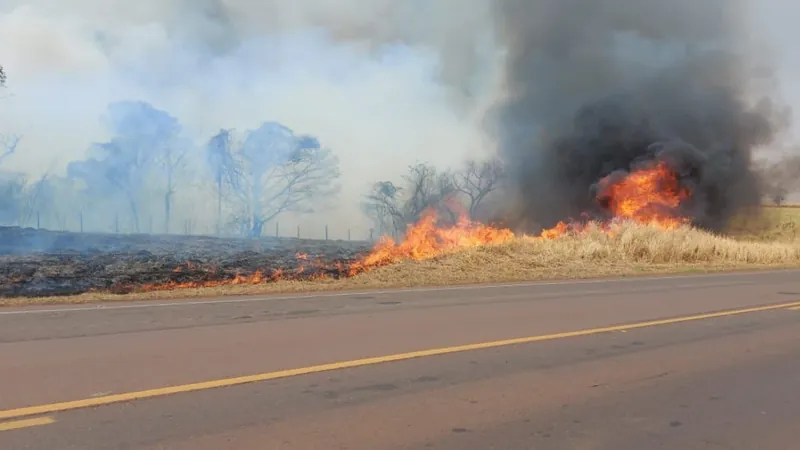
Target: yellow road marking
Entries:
(27, 423)
(228, 382)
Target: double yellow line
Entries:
(228, 382)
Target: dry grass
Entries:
(769, 223)
(629, 249)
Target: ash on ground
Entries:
(47, 263)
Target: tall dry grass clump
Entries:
(625, 248)
(637, 243)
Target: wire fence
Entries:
(118, 224)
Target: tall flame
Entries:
(651, 196)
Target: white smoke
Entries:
(384, 84)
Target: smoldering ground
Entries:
(601, 87)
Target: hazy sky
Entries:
(383, 83)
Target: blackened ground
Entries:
(41, 262)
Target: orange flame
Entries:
(425, 240)
(650, 195)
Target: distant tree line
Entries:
(254, 176)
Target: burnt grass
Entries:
(36, 263)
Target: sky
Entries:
(382, 83)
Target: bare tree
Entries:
(12, 190)
(276, 171)
(426, 188)
(394, 207)
(477, 180)
(381, 206)
(9, 146)
(39, 196)
(223, 166)
(171, 159)
(141, 137)
(11, 186)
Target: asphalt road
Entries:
(691, 362)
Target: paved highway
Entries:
(694, 362)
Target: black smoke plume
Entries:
(599, 87)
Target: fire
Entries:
(650, 195)
(426, 240)
(258, 277)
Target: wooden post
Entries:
(348, 234)
(326, 232)
(38, 223)
(298, 232)
(80, 218)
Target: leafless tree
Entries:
(275, 171)
(392, 207)
(8, 145)
(381, 206)
(477, 180)
(223, 166)
(427, 188)
(11, 186)
(171, 159)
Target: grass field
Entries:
(771, 223)
(769, 240)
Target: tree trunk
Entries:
(219, 205)
(167, 211)
(134, 213)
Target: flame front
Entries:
(650, 195)
(425, 240)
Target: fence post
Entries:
(80, 218)
(298, 232)
(326, 232)
(348, 234)
(38, 223)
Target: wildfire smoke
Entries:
(596, 89)
(650, 195)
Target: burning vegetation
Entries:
(649, 196)
(612, 113)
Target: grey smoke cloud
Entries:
(601, 87)
(386, 83)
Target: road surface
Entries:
(692, 362)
